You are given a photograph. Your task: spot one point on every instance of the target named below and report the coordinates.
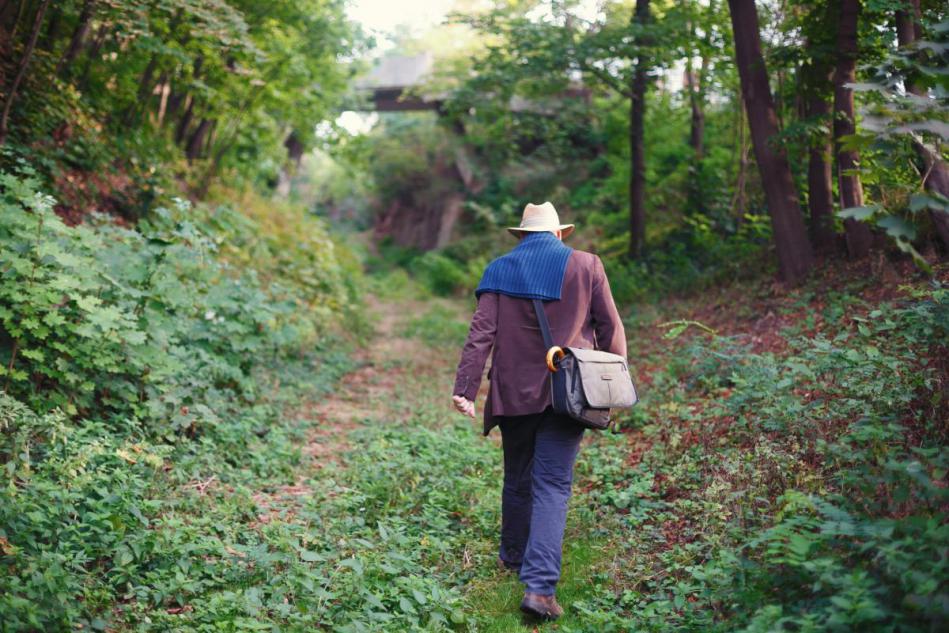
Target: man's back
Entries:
(584, 316)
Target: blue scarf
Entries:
(533, 270)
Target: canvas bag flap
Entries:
(606, 380)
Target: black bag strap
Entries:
(544, 325)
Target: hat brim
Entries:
(517, 231)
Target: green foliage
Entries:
(796, 491)
(223, 84)
(440, 274)
(133, 363)
(900, 123)
(109, 321)
(438, 326)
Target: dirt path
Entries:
(361, 394)
(376, 389)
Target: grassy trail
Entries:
(396, 401)
(375, 507)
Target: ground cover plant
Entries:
(790, 483)
(137, 362)
(783, 470)
(230, 314)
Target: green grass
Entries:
(496, 598)
(745, 493)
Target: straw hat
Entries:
(540, 217)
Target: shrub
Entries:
(440, 274)
(131, 362)
(153, 323)
(799, 491)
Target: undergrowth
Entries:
(800, 490)
(153, 433)
(136, 364)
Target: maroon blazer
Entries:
(585, 316)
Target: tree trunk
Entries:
(21, 70)
(738, 201)
(164, 89)
(695, 84)
(859, 237)
(295, 149)
(175, 99)
(78, 36)
(637, 175)
(144, 92)
(196, 140)
(820, 173)
(936, 172)
(820, 189)
(182, 130)
(97, 42)
(795, 256)
(16, 20)
(909, 26)
(210, 138)
(229, 138)
(53, 26)
(937, 181)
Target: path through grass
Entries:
(421, 469)
(372, 507)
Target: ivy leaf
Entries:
(88, 303)
(309, 556)
(34, 354)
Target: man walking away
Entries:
(540, 447)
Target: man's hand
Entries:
(464, 405)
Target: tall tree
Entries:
(859, 238)
(21, 69)
(909, 30)
(795, 255)
(701, 47)
(816, 90)
(637, 108)
(78, 35)
(538, 57)
(820, 191)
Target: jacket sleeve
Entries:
(484, 326)
(610, 335)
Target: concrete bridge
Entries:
(396, 84)
(392, 81)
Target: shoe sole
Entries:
(537, 614)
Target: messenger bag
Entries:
(585, 384)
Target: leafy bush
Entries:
(790, 491)
(688, 260)
(102, 320)
(440, 274)
(135, 362)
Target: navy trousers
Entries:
(539, 453)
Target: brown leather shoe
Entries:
(543, 607)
